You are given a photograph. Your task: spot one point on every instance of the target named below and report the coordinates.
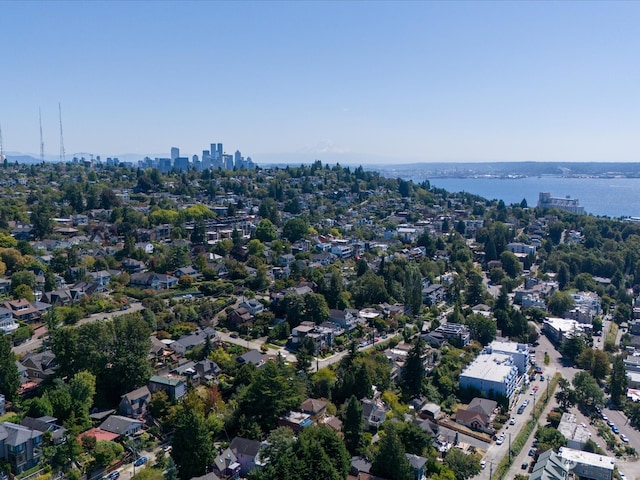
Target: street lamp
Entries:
(509, 447)
(533, 408)
(490, 469)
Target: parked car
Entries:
(140, 461)
(524, 466)
(615, 429)
(113, 475)
(499, 441)
(483, 464)
(624, 438)
(532, 452)
(512, 421)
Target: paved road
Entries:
(495, 453)
(36, 341)
(318, 363)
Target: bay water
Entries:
(607, 197)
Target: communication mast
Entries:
(1, 147)
(62, 153)
(41, 140)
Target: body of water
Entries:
(611, 197)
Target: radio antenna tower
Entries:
(62, 153)
(1, 147)
(41, 140)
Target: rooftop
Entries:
(493, 367)
(586, 458)
(505, 346)
(571, 430)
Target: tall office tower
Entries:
(212, 152)
(164, 165)
(175, 153)
(220, 151)
(238, 161)
(206, 159)
(181, 164)
(227, 162)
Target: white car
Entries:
(483, 464)
(499, 441)
(622, 476)
(512, 421)
(624, 438)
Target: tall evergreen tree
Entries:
(413, 372)
(413, 289)
(9, 377)
(353, 426)
(618, 381)
(390, 461)
(192, 447)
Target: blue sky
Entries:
(369, 81)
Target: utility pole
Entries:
(533, 408)
(490, 469)
(547, 388)
(509, 448)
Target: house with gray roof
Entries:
(135, 403)
(121, 425)
(252, 356)
(246, 452)
(189, 342)
(46, 424)
(20, 446)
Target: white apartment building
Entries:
(491, 373)
(518, 351)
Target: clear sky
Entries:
(382, 81)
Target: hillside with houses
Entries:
(304, 322)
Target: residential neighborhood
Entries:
(309, 322)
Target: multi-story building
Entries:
(557, 329)
(518, 351)
(20, 446)
(576, 435)
(594, 466)
(568, 204)
(491, 374)
(454, 333)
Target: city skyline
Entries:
(370, 82)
